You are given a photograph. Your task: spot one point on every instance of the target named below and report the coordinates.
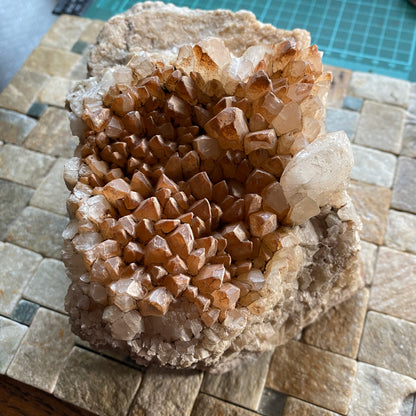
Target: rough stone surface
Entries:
(369, 256)
(14, 127)
(340, 119)
(339, 330)
(166, 392)
(389, 343)
(16, 268)
(55, 91)
(404, 196)
(43, 351)
(394, 286)
(409, 140)
(51, 275)
(311, 374)
(63, 32)
(38, 230)
(295, 407)
(236, 387)
(381, 127)
(400, 232)
(379, 392)
(51, 61)
(52, 134)
(13, 198)
(23, 166)
(210, 406)
(380, 88)
(52, 193)
(97, 384)
(373, 166)
(11, 333)
(22, 91)
(372, 205)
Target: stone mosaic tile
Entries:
(352, 103)
(406, 408)
(91, 32)
(79, 71)
(52, 192)
(381, 127)
(236, 387)
(51, 275)
(52, 134)
(340, 119)
(404, 195)
(340, 81)
(16, 268)
(380, 88)
(378, 391)
(51, 61)
(79, 47)
(400, 233)
(210, 406)
(22, 90)
(394, 286)
(38, 230)
(64, 32)
(409, 140)
(158, 393)
(37, 109)
(43, 351)
(314, 375)
(55, 91)
(372, 205)
(25, 311)
(373, 166)
(272, 403)
(339, 330)
(295, 407)
(369, 256)
(97, 384)
(23, 166)
(13, 198)
(11, 333)
(389, 343)
(14, 127)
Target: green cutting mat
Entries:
(363, 35)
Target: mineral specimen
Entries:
(209, 213)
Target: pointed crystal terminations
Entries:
(207, 204)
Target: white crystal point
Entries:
(315, 174)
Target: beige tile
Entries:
(369, 257)
(55, 91)
(50, 61)
(378, 391)
(91, 32)
(11, 333)
(236, 387)
(22, 91)
(404, 195)
(372, 205)
(65, 32)
(17, 266)
(167, 393)
(210, 406)
(52, 134)
(339, 330)
(313, 375)
(295, 407)
(389, 343)
(43, 350)
(400, 233)
(394, 286)
(97, 384)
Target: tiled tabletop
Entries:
(359, 359)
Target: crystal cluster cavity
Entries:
(209, 213)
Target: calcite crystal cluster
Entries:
(209, 213)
